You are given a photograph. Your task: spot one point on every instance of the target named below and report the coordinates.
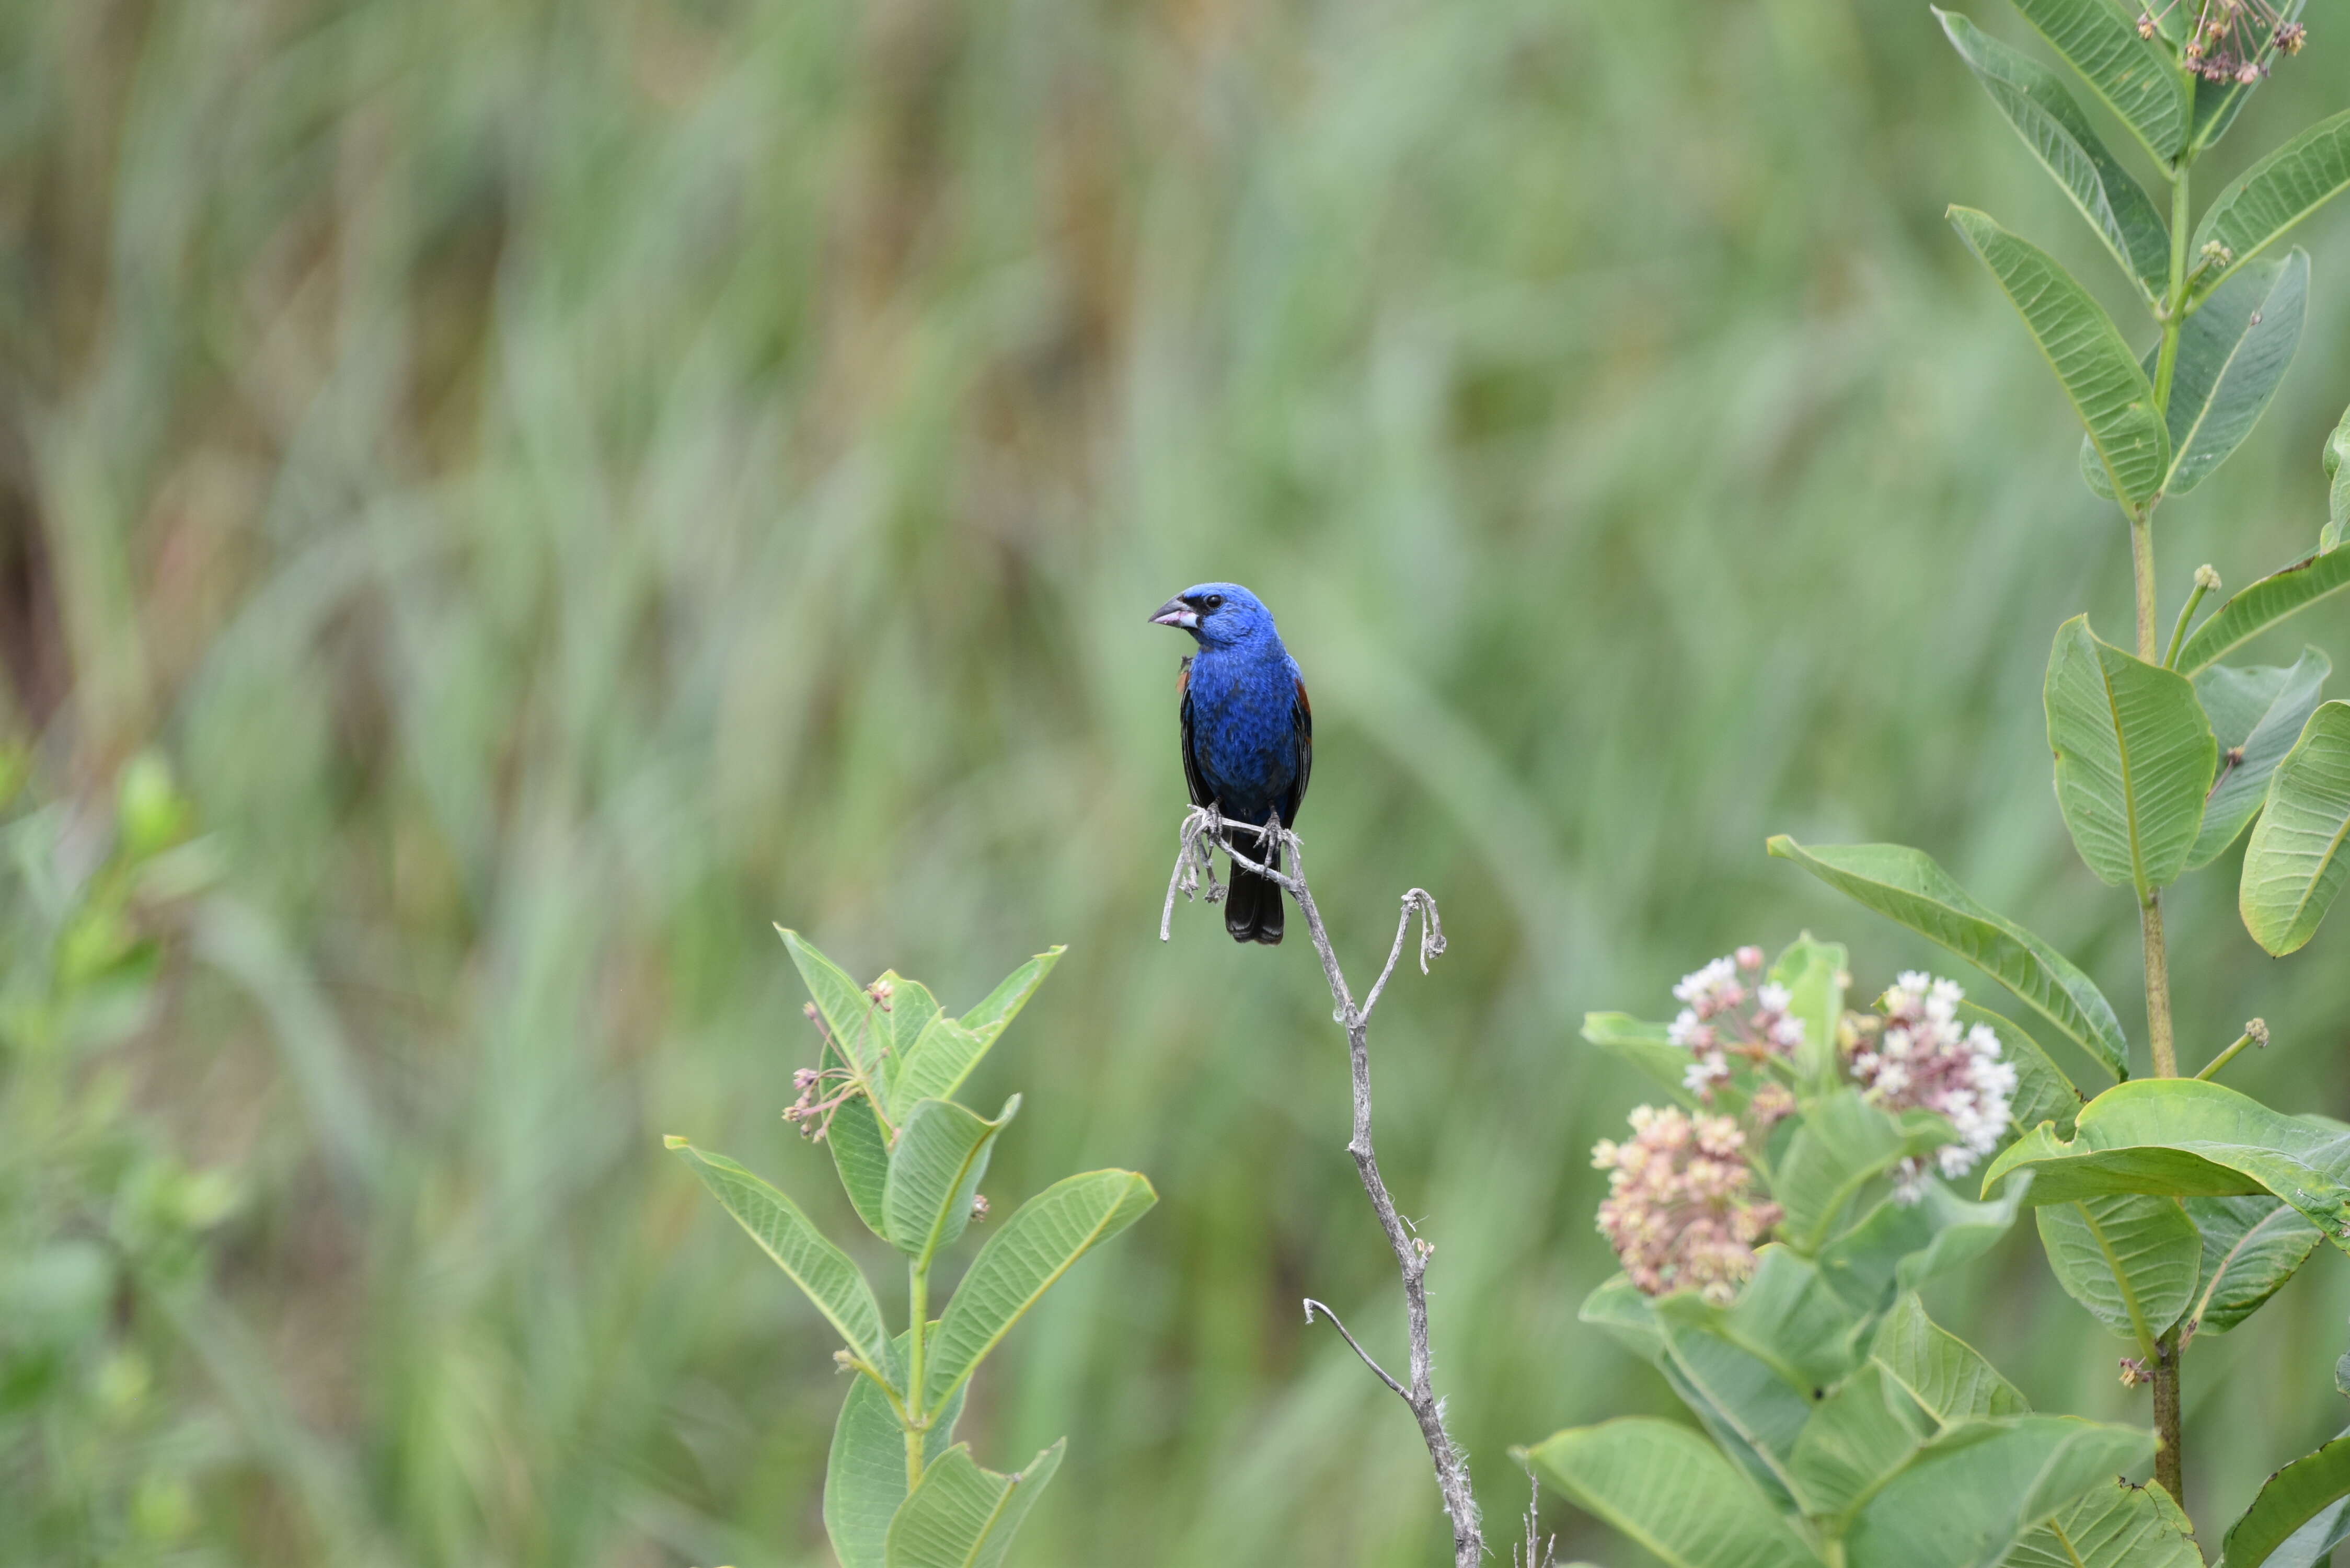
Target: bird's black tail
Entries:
(1253, 911)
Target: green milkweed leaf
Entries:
(1670, 1490)
(2294, 865)
(865, 1477)
(2099, 373)
(937, 1062)
(1860, 1434)
(2251, 1246)
(2291, 1499)
(1947, 1377)
(1906, 886)
(2044, 1091)
(2337, 497)
(2273, 196)
(941, 1154)
(1843, 1144)
(2260, 606)
(2233, 354)
(2130, 1259)
(2035, 102)
(2228, 365)
(2256, 715)
(1966, 1497)
(2188, 1139)
(1752, 1411)
(857, 1027)
(1787, 1317)
(1003, 1004)
(964, 1517)
(2114, 1526)
(1645, 1046)
(1021, 1262)
(903, 1013)
(2134, 758)
(1815, 973)
(1899, 1245)
(2231, 358)
(2134, 76)
(820, 1269)
(861, 1152)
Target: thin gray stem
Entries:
(1313, 1306)
(1202, 833)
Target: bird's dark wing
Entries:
(1301, 720)
(1191, 778)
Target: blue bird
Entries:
(1247, 735)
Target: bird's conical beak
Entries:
(1175, 613)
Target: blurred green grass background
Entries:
(569, 484)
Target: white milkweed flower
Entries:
(1712, 1028)
(1926, 1059)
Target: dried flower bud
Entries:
(2135, 1372)
(2291, 37)
(2145, 26)
(978, 1207)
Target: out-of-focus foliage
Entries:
(104, 1228)
(571, 484)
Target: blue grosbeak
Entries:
(1247, 735)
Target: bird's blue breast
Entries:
(1243, 727)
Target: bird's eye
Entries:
(1214, 602)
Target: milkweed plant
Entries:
(899, 1491)
(1813, 1161)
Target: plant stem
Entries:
(2167, 1462)
(2186, 614)
(918, 1429)
(2174, 300)
(2142, 569)
(2157, 988)
(2256, 1029)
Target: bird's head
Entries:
(1217, 615)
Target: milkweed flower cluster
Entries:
(2231, 41)
(1712, 1030)
(1920, 1056)
(1680, 1210)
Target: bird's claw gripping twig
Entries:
(1194, 863)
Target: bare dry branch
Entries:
(1204, 832)
(1313, 1306)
